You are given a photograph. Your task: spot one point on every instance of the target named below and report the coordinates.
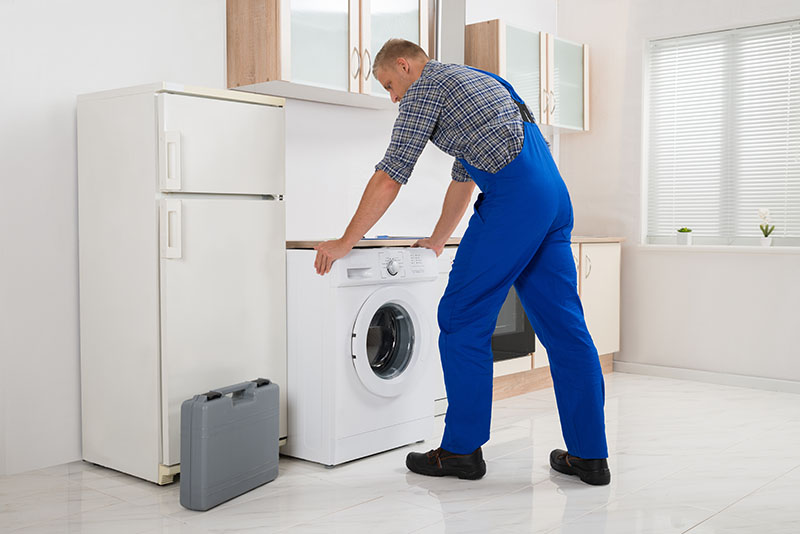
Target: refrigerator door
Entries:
(223, 301)
(208, 145)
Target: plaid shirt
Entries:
(465, 113)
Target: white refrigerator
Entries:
(182, 262)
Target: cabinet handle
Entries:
(589, 266)
(546, 101)
(171, 229)
(353, 62)
(553, 108)
(171, 161)
(368, 70)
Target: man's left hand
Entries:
(328, 252)
(427, 243)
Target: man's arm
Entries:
(455, 204)
(378, 196)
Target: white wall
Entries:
(331, 154)
(52, 51)
(49, 53)
(725, 312)
(537, 15)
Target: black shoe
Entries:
(594, 472)
(439, 463)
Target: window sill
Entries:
(727, 249)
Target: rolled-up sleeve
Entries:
(459, 173)
(419, 112)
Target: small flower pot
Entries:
(766, 241)
(684, 238)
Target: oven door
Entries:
(513, 335)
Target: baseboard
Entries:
(514, 365)
(754, 382)
(537, 378)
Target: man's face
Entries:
(397, 77)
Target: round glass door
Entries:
(388, 338)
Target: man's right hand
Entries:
(427, 243)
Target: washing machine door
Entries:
(389, 342)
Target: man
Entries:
(518, 234)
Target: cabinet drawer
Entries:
(219, 146)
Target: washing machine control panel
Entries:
(392, 264)
(405, 263)
(387, 265)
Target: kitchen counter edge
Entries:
(453, 241)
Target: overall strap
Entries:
(527, 116)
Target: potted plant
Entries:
(684, 236)
(766, 228)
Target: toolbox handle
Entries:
(245, 389)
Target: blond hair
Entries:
(396, 48)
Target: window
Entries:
(723, 127)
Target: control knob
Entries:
(392, 267)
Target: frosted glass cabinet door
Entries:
(320, 42)
(522, 66)
(383, 20)
(567, 85)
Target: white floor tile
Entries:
(684, 457)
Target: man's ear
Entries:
(403, 64)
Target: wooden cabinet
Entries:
(318, 50)
(550, 74)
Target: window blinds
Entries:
(723, 125)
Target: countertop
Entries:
(385, 241)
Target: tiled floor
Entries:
(686, 457)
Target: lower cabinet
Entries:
(599, 289)
(598, 270)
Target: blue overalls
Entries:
(519, 234)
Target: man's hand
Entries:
(455, 204)
(378, 196)
(427, 243)
(328, 252)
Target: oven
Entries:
(513, 336)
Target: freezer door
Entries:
(223, 301)
(219, 146)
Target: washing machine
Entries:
(361, 344)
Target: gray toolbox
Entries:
(229, 443)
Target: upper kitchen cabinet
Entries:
(319, 50)
(551, 75)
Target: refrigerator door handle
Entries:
(170, 160)
(170, 228)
